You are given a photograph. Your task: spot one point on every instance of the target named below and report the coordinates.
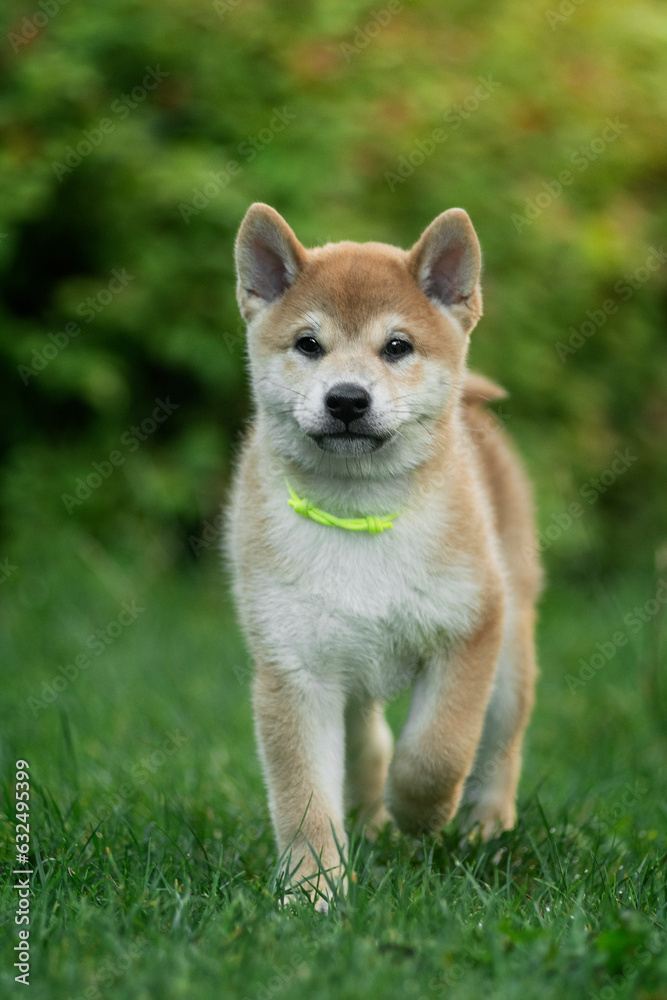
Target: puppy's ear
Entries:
(268, 259)
(446, 262)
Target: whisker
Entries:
(287, 388)
(424, 427)
(408, 396)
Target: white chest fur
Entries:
(359, 610)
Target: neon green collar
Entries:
(374, 525)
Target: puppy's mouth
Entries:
(350, 443)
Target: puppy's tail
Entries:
(477, 390)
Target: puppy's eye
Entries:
(397, 348)
(309, 346)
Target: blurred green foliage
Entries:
(136, 133)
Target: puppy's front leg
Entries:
(437, 747)
(301, 736)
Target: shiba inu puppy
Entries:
(381, 535)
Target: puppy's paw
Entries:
(371, 821)
(320, 899)
(417, 818)
(490, 817)
(421, 803)
(320, 888)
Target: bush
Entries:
(137, 133)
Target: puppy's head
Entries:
(357, 349)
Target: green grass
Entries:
(153, 872)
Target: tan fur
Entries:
(444, 601)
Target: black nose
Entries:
(347, 402)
